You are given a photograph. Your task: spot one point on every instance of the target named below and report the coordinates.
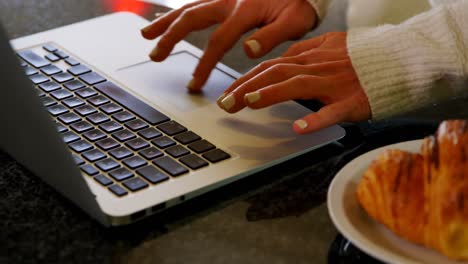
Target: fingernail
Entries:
(220, 98)
(154, 53)
(252, 97)
(145, 29)
(228, 102)
(158, 14)
(301, 124)
(191, 84)
(254, 46)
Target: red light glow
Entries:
(133, 6)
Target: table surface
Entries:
(276, 216)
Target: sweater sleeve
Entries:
(321, 7)
(411, 65)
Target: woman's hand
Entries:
(318, 68)
(279, 20)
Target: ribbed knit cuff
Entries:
(321, 7)
(405, 67)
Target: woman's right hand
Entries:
(278, 20)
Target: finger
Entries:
(303, 46)
(273, 34)
(160, 25)
(192, 19)
(222, 40)
(274, 75)
(327, 116)
(299, 87)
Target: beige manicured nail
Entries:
(301, 124)
(252, 97)
(191, 84)
(158, 14)
(154, 53)
(221, 97)
(228, 102)
(145, 29)
(254, 46)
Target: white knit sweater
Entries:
(419, 62)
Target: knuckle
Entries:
(189, 14)
(279, 69)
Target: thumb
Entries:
(284, 28)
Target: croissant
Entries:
(423, 197)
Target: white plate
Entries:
(364, 232)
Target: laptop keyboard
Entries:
(120, 141)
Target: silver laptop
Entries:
(117, 134)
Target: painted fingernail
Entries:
(145, 29)
(254, 46)
(158, 14)
(221, 97)
(154, 53)
(252, 97)
(228, 102)
(301, 124)
(191, 84)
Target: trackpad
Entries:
(169, 79)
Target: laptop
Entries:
(85, 110)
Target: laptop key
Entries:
(89, 169)
(135, 184)
(92, 78)
(72, 62)
(148, 113)
(201, 146)
(61, 54)
(80, 146)
(171, 128)
(103, 180)
(50, 69)
(85, 110)
(121, 174)
(163, 142)
(52, 57)
(86, 92)
(170, 166)
(73, 102)
(98, 100)
(193, 161)
(107, 164)
(94, 135)
(187, 137)
(110, 108)
(136, 124)
(62, 77)
(121, 153)
(123, 116)
(32, 58)
(23, 64)
(38, 78)
(94, 155)
(216, 155)
(110, 126)
(177, 151)
(74, 85)
(123, 135)
(49, 86)
(70, 136)
(40, 93)
(137, 144)
(69, 118)
(78, 70)
(151, 153)
(107, 143)
(81, 126)
(61, 94)
(98, 118)
(78, 161)
(30, 71)
(60, 128)
(56, 110)
(49, 47)
(152, 174)
(47, 101)
(134, 162)
(118, 190)
(149, 133)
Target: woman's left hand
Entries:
(318, 68)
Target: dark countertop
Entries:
(276, 216)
